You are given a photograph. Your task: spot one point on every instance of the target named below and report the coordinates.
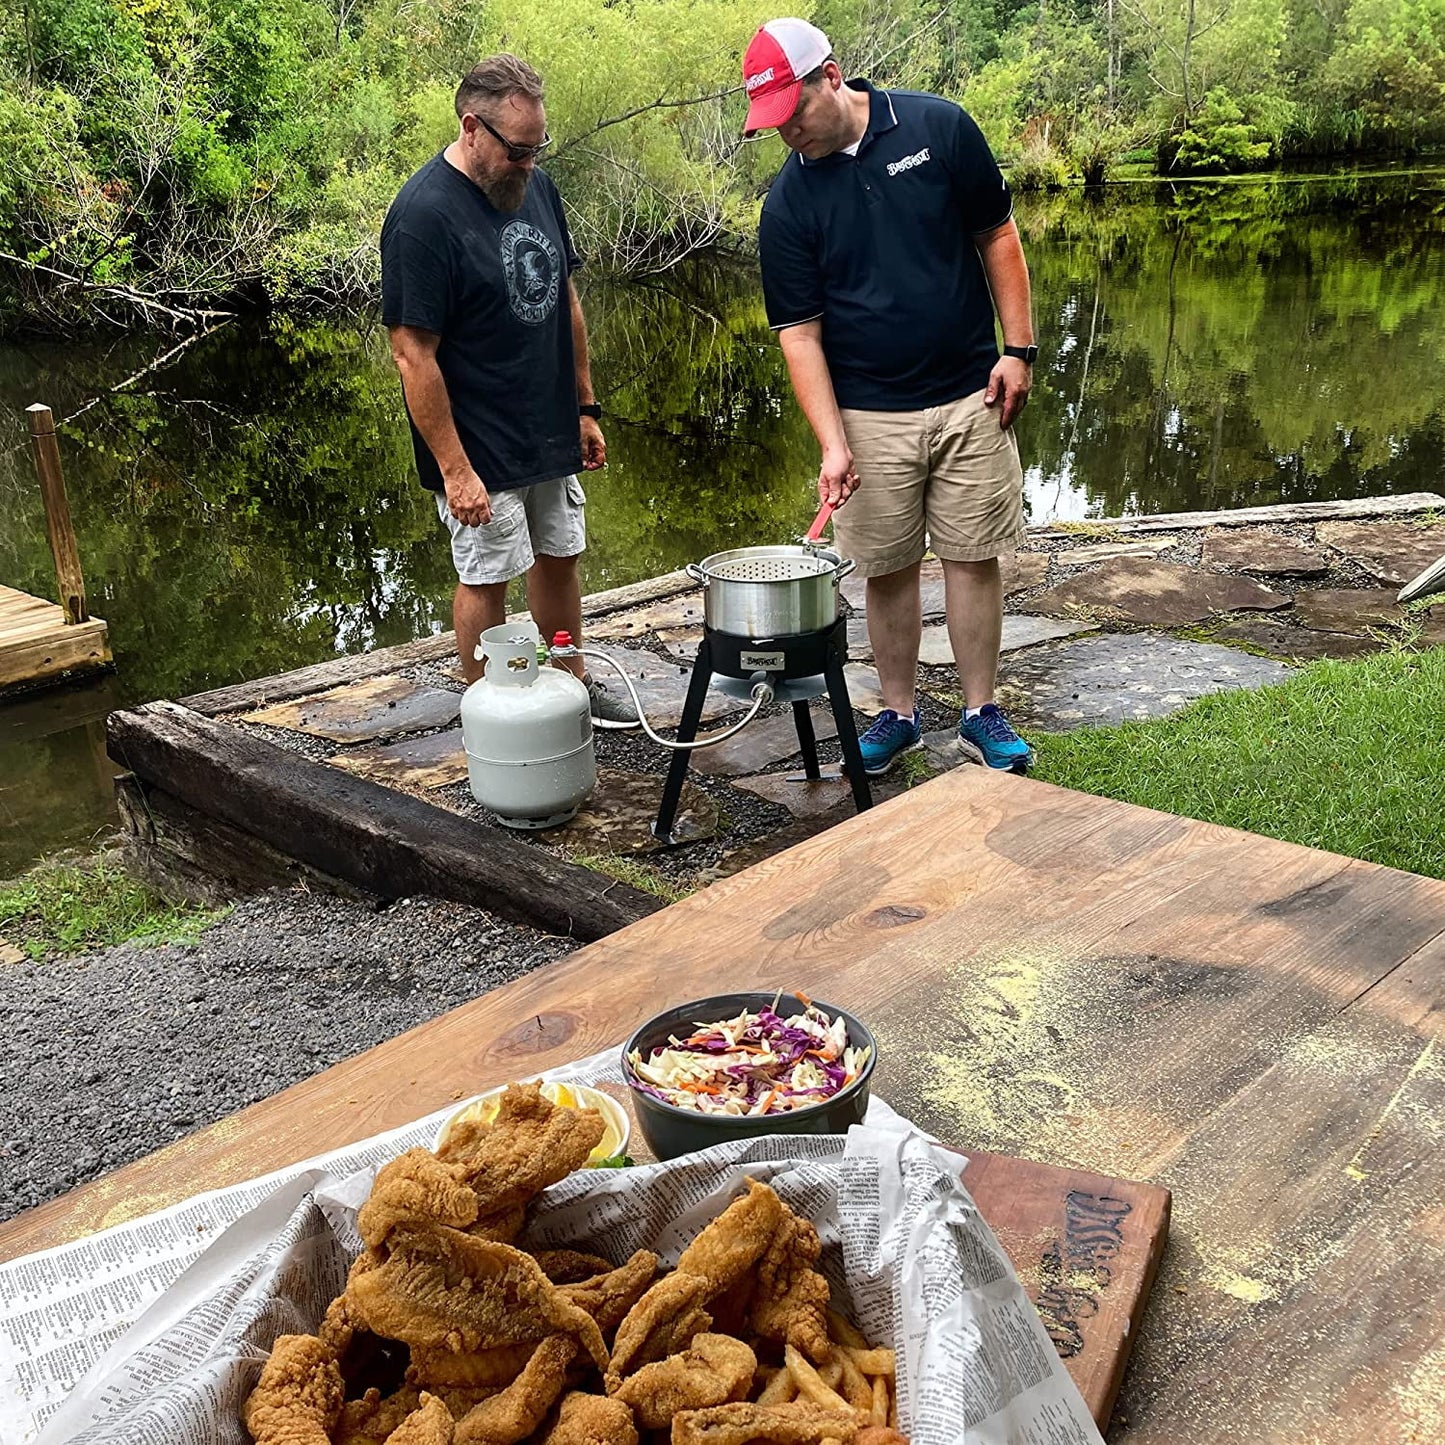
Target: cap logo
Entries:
(761, 78)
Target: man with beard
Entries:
(488, 334)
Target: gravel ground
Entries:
(112, 1055)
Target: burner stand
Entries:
(801, 666)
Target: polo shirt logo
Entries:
(918, 158)
(761, 78)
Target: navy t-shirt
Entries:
(493, 285)
(880, 247)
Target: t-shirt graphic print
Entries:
(533, 272)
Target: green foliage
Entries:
(633, 872)
(1344, 757)
(70, 907)
(1219, 138)
(196, 150)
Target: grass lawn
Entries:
(1346, 756)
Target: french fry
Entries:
(873, 1362)
(810, 1384)
(831, 1374)
(779, 1389)
(878, 1414)
(858, 1391)
(843, 1333)
(893, 1410)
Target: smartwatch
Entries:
(1027, 354)
(590, 408)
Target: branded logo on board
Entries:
(533, 271)
(918, 158)
(761, 78)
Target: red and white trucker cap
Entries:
(780, 55)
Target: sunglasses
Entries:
(514, 151)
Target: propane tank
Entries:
(527, 731)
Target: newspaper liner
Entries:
(161, 1343)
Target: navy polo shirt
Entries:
(880, 247)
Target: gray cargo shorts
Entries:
(547, 518)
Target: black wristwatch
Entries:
(590, 408)
(1027, 354)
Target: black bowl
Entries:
(671, 1131)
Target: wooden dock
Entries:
(39, 645)
(42, 642)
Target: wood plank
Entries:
(284, 686)
(36, 658)
(371, 837)
(1090, 984)
(1405, 505)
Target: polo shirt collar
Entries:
(881, 117)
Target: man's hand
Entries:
(1010, 381)
(467, 498)
(594, 448)
(837, 481)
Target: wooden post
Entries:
(57, 514)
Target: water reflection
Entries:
(252, 507)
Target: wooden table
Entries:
(1254, 1025)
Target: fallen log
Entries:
(386, 842)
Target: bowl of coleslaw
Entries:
(740, 1064)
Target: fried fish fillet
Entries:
(299, 1396)
(650, 1329)
(712, 1371)
(530, 1144)
(491, 1370)
(443, 1289)
(570, 1266)
(430, 1425)
(416, 1190)
(590, 1420)
(732, 1244)
(514, 1413)
(795, 1423)
(790, 1300)
(608, 1297)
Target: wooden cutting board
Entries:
(1087, 1248)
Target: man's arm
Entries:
(415, 353)
(813, 386)
(594, 448)
(1002, 255)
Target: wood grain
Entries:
(1082, 982)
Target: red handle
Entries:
(821, 520)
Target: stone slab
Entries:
(1389, 551)
(864, 689)
(672, 612)
(763, 743)
(1302, 644)
(817, 799)
(619, 815)
(661, 685)
(1155, 594)
(1117, 677)
(681, 642)
(1020, 629)
(860, 646)
(359, 712)
(435, 761)
(945, 750)
(1408, 504)
(1106, 551)
(1253, 549)
(1355, 610)
(770, 844)
(1024, 570)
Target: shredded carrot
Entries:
(802, 998)
(767, 1101)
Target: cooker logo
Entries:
(761, 78)
(918, 158)
(533, 272)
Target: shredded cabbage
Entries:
(756, 1063)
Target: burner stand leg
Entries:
(686, 731)
(847, 733)
(807, 739)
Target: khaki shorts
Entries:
(945, 478)
(549, 518)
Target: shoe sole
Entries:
(880, 771)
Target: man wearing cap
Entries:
(488, 334)
(887, 239)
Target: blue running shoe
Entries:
(989, 731)
(886, 738)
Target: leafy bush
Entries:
(1219, 138)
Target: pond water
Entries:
(251, 507)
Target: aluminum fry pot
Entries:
(771, 591)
